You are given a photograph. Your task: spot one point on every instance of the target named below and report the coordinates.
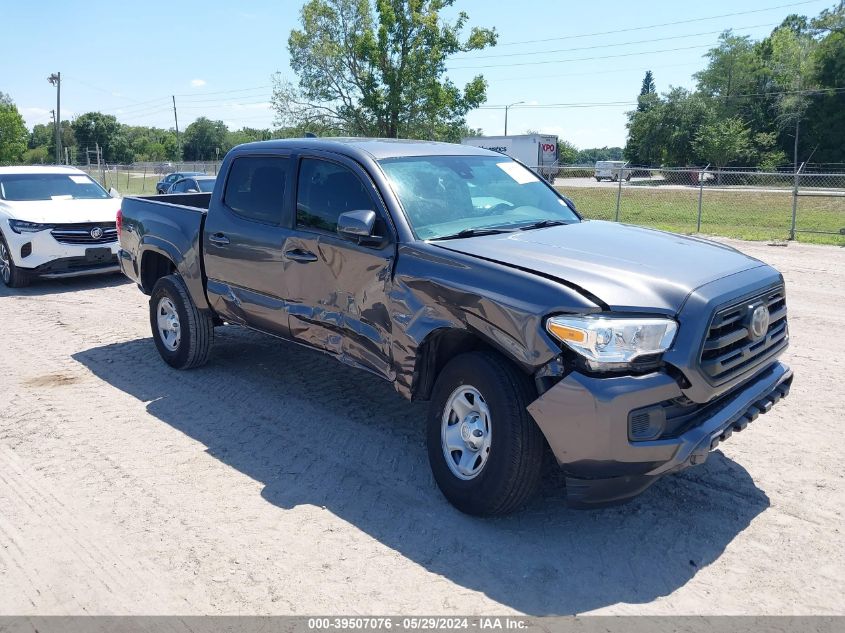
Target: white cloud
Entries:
(197, 83)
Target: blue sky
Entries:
(127, 59)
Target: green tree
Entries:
(37, 156)
(766, 154)
(203, 138)
(648, 88)
(591, 155)
(721, 142)
(825, 117)
(567, 153)
(94, 129)
(13, 132)
(793, 65)
(41, 135)
(379, 70)
(663, 133)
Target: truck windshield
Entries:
(31, 187)
(446, 195)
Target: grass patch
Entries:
(748, 215)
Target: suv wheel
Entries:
(182, 333)
(12, 276)
(485, 450)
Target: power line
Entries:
(655, 26)
(597, 72)
(583, 59)
(220, 92)
(584, 48)
(589, 104)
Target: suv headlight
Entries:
(19, 226)
(613, 342)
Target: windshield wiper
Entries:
(542, 224)
(473, 233)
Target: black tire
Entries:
(598, 179)
(11, 275)
(196, 327)
(511, 473)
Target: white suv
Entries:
(54, 222)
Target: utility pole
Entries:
(56, 80)
(178, 143)
(506, 114)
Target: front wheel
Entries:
(484, 449)
(12, 276)
(182, 332)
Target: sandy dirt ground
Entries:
(277, 481)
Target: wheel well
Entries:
(154, 266)
(436, 350)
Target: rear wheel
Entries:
(182, 333)
(484, 449)
(12, 276)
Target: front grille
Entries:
(81, 233)
(729, 349)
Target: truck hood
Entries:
(625, 267)
(61, 211)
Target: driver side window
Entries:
(326, 190)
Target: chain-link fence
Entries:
(743, 204)
(138, 179)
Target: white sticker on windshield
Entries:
(81, 180)
(517, 172)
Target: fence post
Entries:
(144, 181)
(795, 200)
(701, 194)
(619, 189)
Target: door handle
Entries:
(299, 255)
(219, 239)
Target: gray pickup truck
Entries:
(465, 280)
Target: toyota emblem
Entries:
(96, 233)
(758, 325)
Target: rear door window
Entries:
(255, 188)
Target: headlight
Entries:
(610, 342)
(19, 226)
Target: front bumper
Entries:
(42, 255)
(585, 421)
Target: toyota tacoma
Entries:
(465, 280)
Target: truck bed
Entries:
(193, 201)
(168, 227)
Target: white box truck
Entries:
(538, 151)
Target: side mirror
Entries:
(114, 193)
(356, 224)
